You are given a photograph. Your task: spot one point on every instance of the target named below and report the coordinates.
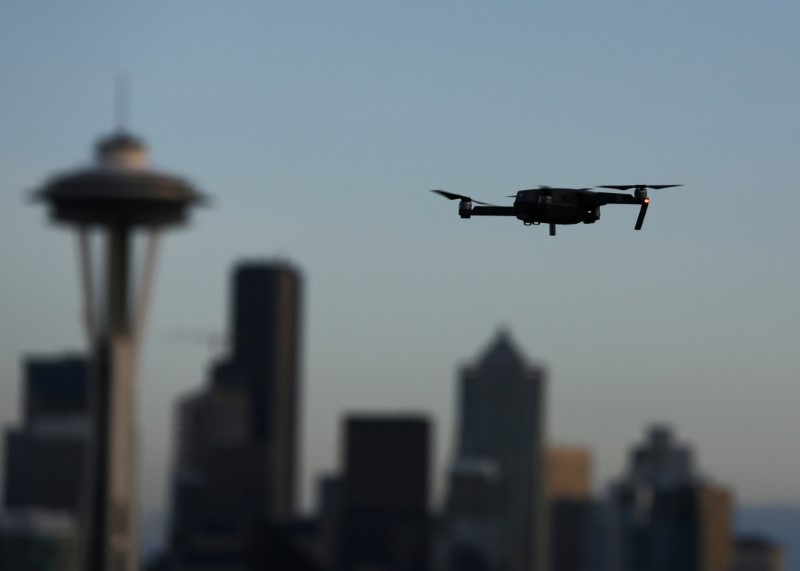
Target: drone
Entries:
(548, 205)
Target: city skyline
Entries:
(691, 321)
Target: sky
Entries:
(318, 128)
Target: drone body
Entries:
(552, 206)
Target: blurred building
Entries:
(663, 515)
(569, 473)
(216, 481)
(496, 515)
(754, 553)
(571, 508)
(236, 439)
(266, 322)
(38, 541)
(44, 462)
(384, 522)
(329, 509)
(472, 530)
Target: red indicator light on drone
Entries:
(647, 201)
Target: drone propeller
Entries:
(639, 186)
(453, 196)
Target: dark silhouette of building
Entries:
(217, 478)
(236, 457)
(266, 314)
(756, 553)
(571, 508)
(496, 514)
(286, 547)
(568, 473)
(329, 508)
(45, 456)
(37, 541)
(663, 515)
(384, 521)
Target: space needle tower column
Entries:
(114, 201)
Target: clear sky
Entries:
(318, 128)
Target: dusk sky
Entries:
(318, 129)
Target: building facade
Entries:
(34, 541)
(266, 339)
(664, 515)
(45, 457)
(496, 512)
(756, 553)
(237, 438)
(570, 507)
(384, 521)
(217, 476)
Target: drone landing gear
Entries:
(552, 229)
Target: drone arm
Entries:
(601, 198)
(616, 198)
(494, 211)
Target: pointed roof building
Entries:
(497, 513)
(503, 352)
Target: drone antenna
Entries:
(121, 101)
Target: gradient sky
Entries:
(318, 128)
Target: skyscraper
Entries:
(755, 553)
(384, 520)
(498, 477)
(237, 438)
(570, 507)
(266, 314)
(664, 515)
(568, 473)
(217, 477)
(45, 462)
(33, 540)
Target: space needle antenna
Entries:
(122, 101)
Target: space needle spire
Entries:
(117, 198)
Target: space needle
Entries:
(113, 202)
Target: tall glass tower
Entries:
(266, 357)
(496, 511)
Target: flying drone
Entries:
(548, 205)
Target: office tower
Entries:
(568, 473)
(45, 456)
(471, 534)
(496, 513)
(218, 475)
(265, 327)
(384, 520)
(329, 508)
(237, 438)
(754, 553)
(691, 528)
(37, 541)
(664, 515)
(571, 507)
